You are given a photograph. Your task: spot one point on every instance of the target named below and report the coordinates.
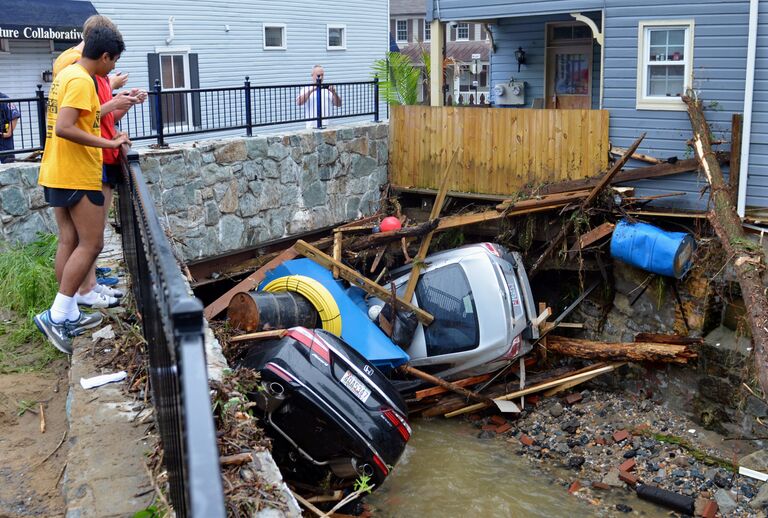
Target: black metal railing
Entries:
(176, 113)
(29, 132)
(172, 321)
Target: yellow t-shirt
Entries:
(67, 165)
(66, 58)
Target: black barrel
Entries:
(263, 311)
(675, 501)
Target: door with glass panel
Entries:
(569, 66)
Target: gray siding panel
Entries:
(486, 9)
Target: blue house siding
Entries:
(757, 187)
(529, 32)
(719, 69)
(719, 64)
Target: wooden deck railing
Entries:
(501, 151)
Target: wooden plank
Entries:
(261, 335)
(416, 373)
(615, 168)
(436, 391)
(538, 388)
(593, 235)
(248, 284)
(636, 156)
(337, 237)
(359, 280)
(737, 126)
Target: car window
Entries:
(445, 293)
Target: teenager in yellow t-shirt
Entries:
(71, 176)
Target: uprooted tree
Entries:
(748, 258)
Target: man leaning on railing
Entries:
(308, 97)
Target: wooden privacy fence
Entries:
(501, 150)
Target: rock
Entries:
(725, 501)
(570, 426)
(556, 410)
(13, 201)
(757, 461)
(723, 479)
(575, 461)
(486, 434)
(761, 499)
(624, 508)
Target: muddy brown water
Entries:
(447, 471)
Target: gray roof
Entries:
(398, 7)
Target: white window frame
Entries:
(427, 28)
(184, 52)
(397, 30)
(343, 28)
(270, 25)
(458, 28)
(648, 102)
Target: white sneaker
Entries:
(94, 299)
(106, 290)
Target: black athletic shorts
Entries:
(112, 175)
(71, 197)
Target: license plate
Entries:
(355, 386)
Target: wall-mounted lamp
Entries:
(520, 57)
(47, 76)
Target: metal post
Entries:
(319, 101)
(41, 120)
(376, 99)
(248, 116)
(159, 113)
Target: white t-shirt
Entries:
(310, 107)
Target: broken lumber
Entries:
(620, 351)
(436, 391)
(748, 258)
(370, 241)
(418, 261)
(261, 335)
(602, 183)
(668, 339)
(237, 459)
(416, 373)
(637, 156)
(584, 376)
(248, 284)
(596, 234)
(359, 280)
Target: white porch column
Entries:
(437, 37)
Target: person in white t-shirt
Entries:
(308, 97)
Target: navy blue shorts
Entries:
(71, 197)
(112, 174)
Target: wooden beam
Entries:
(261, 335)
(592, 236)
(249, 283)
(637, 156)
(336, 252)
(359, 280)
(418, 261)
(436, 391)
(737, 127)
(538, 388)
(416, 373)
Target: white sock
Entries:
(64, 308)
(88, 298)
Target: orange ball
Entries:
(390, 223)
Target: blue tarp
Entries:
(356, 328)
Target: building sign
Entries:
(33, 32)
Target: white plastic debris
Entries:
(506, 406)
(105, 333)
(97, 381)
(759, 475)
(691, 431)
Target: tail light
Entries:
(284, 374)
(381, 465)
(398, 422)
(492, 249)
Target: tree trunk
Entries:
(748, 258)
(630, 351)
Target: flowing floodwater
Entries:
(447, 471)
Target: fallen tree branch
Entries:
(749, 261)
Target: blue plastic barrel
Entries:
(653, 249)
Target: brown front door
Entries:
(569, 77)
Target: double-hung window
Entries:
(462, 32)
(664, 63)
(174, 76)
(401, 30)
(427, 31)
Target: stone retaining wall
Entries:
(219, 196)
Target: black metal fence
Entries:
(172, 322)
(28, 135)
(176, 113)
